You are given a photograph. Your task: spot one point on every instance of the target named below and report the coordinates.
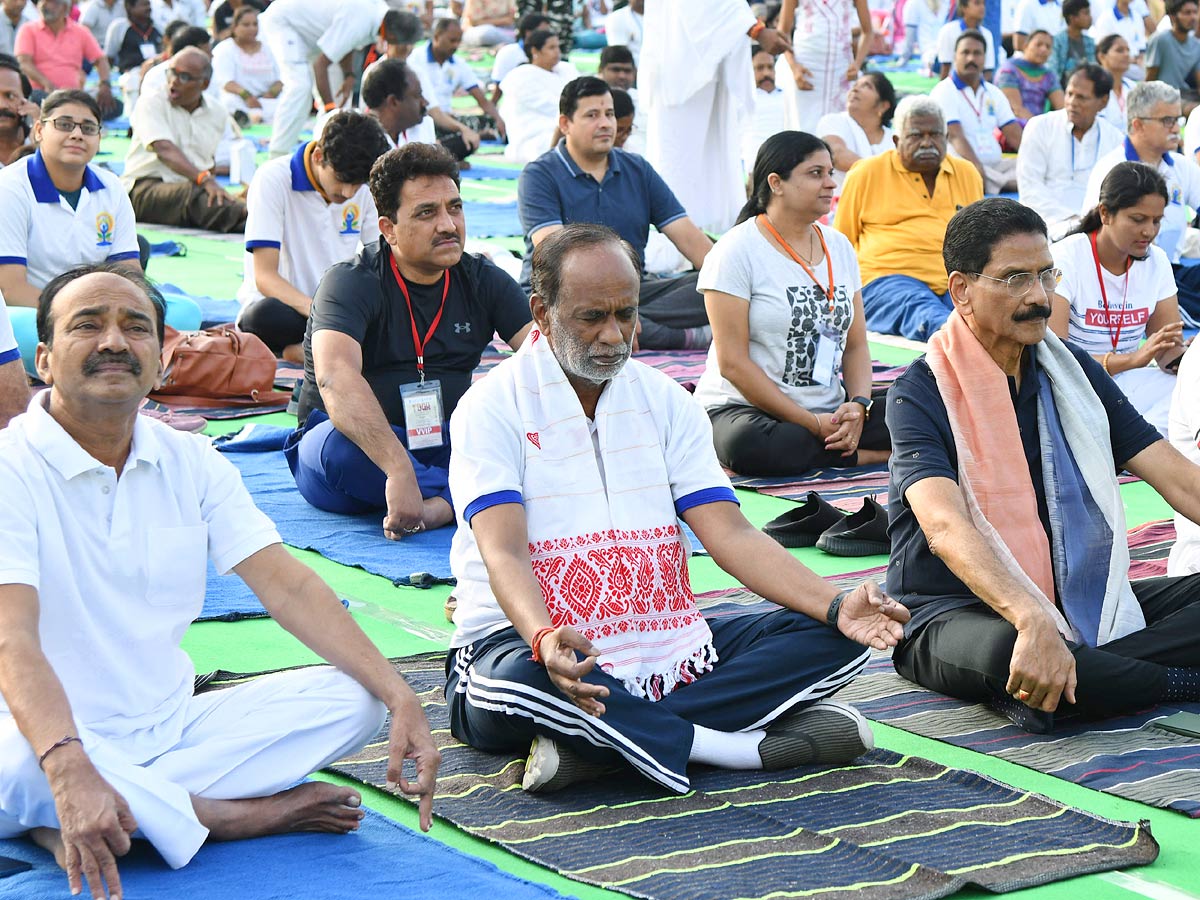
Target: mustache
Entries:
(1035, 312)
(93, 363)
(9, 114)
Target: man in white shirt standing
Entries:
(1052, 180)
(1155, 114)
(624, 26)
(304, 214)
(109, 521)
(698, 85)
(974, 109)
(768, 106)
(307, 37)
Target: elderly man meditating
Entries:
(107, 521)
(571, 466)
(1016, 565)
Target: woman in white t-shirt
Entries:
(864, 129)
(1113, 54)
(787, 383)
(1117, 289)
(245, 70)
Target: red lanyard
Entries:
(1114, 336)
(828, 291)
(978, 112)
(417, 342)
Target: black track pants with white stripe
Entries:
(768, 663)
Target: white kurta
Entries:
(1184, 431)
(823, 43)
(698, 81)
(529, 105)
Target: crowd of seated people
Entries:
(1057, 322)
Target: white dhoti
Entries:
(252, 740)
(698, 83)
(1149, 389)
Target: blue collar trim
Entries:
(958, 82)
(1131, 154)
(429, 54)
(44, 190)
(300, 179)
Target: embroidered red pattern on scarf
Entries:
(613, 582)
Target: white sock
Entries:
(727, 749)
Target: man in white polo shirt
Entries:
(307, 37)
(59, 211)
(109, 519)
(448, 74)
(974, 109)
(1037, 15)
(305, 213)
(1060, 148)
(14, 387)
(1155, 114)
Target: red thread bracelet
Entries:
(537, 642)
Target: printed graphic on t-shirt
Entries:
(810, 310)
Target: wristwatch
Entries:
(865, 402)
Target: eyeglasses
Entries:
(1022, 283)
(184, 77)
(66, 125)
(1165, 121)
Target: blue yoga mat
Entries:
(486, 220)
(227, 599)
(420, 560)
(383, 859)
(350, 540)
(212, 310)
(480, 171)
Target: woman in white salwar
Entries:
(1118, 290)
(529, 97)
(817, 73)
(245, 70)
(863, 129)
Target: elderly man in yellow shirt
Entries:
(894, 209)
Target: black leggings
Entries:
(275, 322)
(966, 652)
(751, 442)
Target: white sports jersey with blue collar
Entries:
(40, 231)
(286, 211)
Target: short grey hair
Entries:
(916, 105)
(1145, 96)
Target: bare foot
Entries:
(50, 839)
(312, 806)
(435, 513)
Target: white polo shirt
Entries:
(119, 562)
(1053, 166)
(1183, 189)
(332, 27)
(949, 33)
(8, 343)
(40, 231)
(1040, 15)
(197, 134)
(284, 210)
(445, 78)
(980, 112)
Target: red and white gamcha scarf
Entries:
(608, 551)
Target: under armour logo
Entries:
(462, 327)
(534, 439)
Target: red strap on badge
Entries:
(1114, 336)
(417, 342)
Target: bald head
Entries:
(188, 74)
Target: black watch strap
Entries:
(865, 402)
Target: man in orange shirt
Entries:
(894, 209)
(52, 53)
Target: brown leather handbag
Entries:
(219, 366)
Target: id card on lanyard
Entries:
(422, 402)
(827, 362)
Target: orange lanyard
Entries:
(1114, 336)
(828, 291)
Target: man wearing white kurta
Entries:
(1059, 150)
(572, 466)
(698, 83)
(108, 521)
